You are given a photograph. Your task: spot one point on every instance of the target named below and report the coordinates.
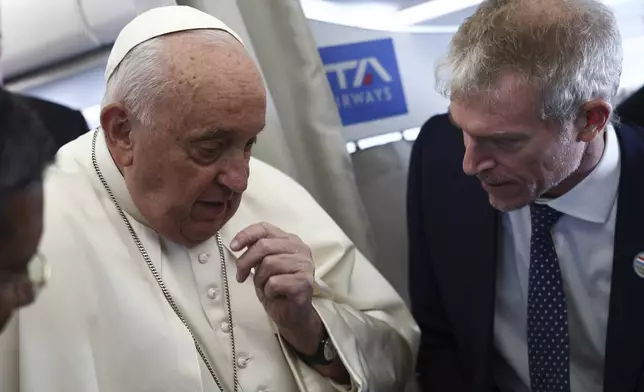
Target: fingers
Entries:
(297, 287)
(261, 249)
(279, 265)
(15, 291)
(254, 233)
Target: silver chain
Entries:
(163, 287)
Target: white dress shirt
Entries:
(103, 325)
(583, 239)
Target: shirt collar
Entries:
(593, 198)
(115, 179)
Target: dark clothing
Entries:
(63, 123)
(455, 244)
(631, 111)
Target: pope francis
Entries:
(173, 268)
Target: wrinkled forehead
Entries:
(509, 100)
(211, 85)
(219, 47)
(198, 66)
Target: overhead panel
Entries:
(40, 33)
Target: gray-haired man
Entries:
(525, 215)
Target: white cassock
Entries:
(103, 324)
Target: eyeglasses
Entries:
(39, 272)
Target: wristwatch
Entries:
(325, 354)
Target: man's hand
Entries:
(16, 290)
(284, 279)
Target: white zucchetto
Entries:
(157, 22)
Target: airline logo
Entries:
(365, 80)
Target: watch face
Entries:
(39, 272)
(329, 350)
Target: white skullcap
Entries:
(157, 22)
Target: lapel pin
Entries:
(638, 265)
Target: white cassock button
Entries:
(243, 361)
(213, 293)
(225, 327)
(203, 258)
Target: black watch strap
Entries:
(324, 355)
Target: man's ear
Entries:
(117, 127)
(595, 116)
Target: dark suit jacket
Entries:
(632, 109)
(63, 123)
(454, 248)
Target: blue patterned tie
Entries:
(547, 313)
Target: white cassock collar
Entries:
(115, 179)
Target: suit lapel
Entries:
(463, 230)
(625, 334)
(473, 242)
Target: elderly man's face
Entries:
(187, 173)
(515, 154)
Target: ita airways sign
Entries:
(365, 80)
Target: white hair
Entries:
(570, 50)
(140, 79)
